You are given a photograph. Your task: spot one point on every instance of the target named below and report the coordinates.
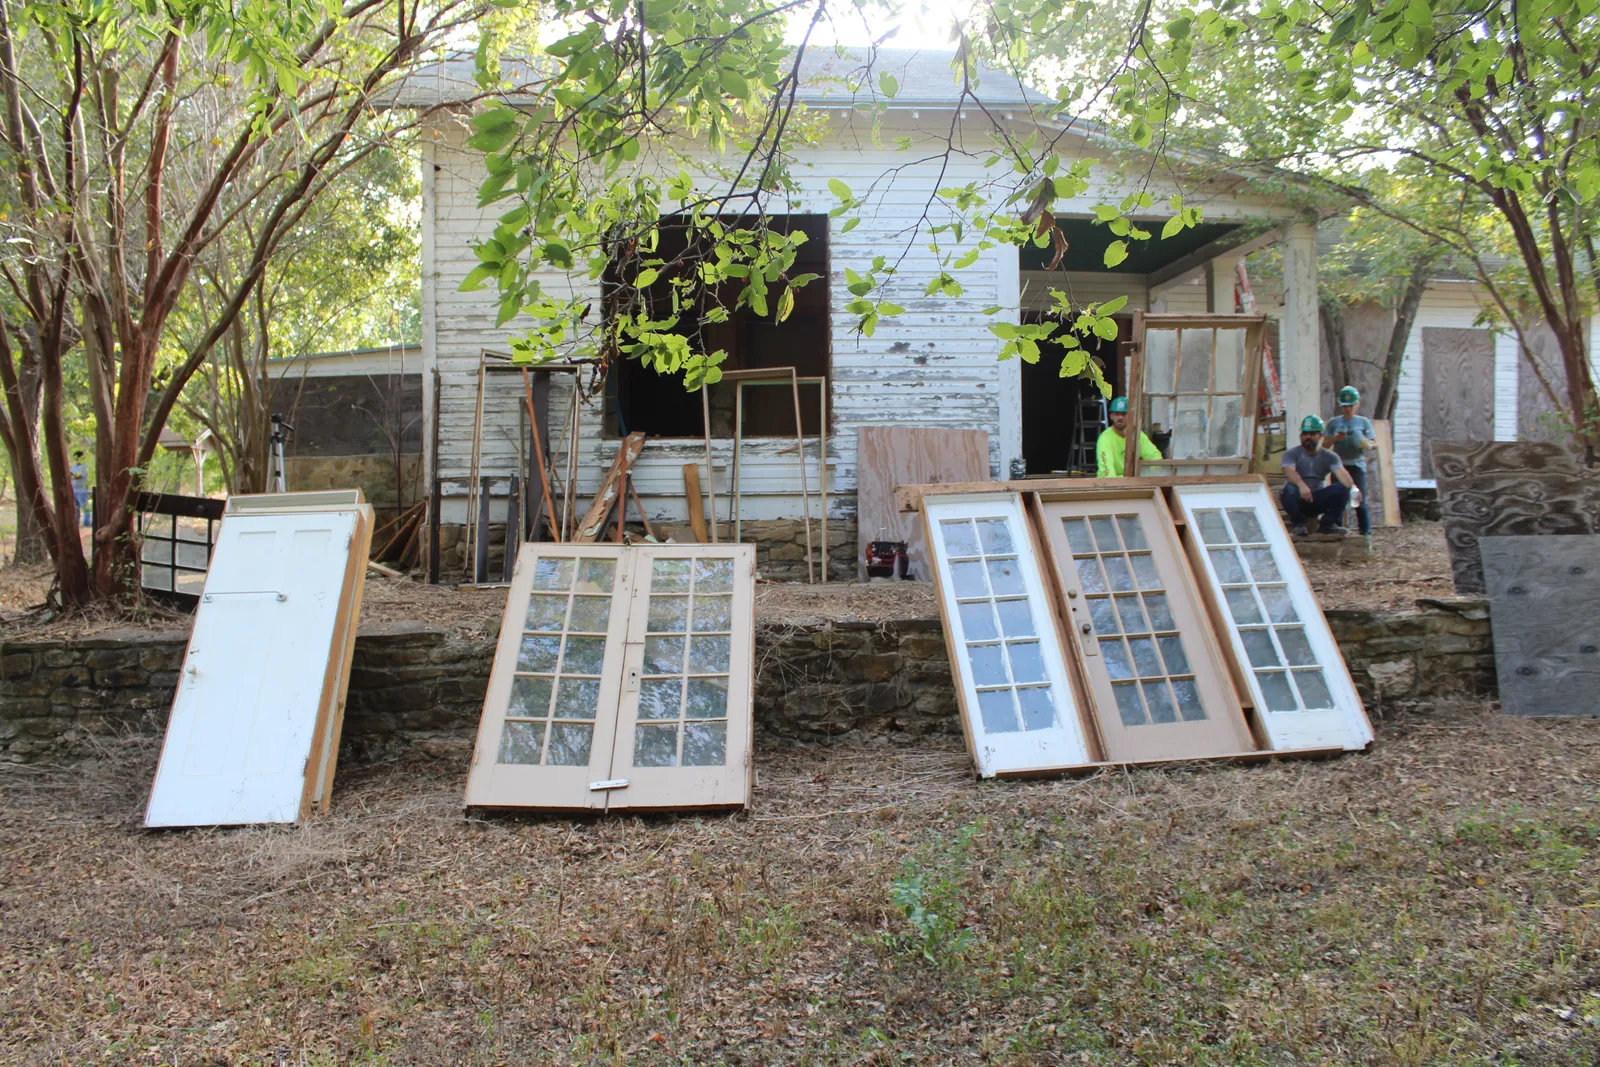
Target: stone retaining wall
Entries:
(420, 684)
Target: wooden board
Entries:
(1542, 592)
(697, 507)
(1457, 387)
(1382, 485)
(1536, 412)
(890, 456)
(909, 497)
(592, 526)
(1507, 489)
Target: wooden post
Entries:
(538, 448)
(480, 545)
(435, 499)
(513, 528)
(711, 475)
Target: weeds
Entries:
(931, 893)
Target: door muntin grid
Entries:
(1194, 386)
(1000, 641)
(682, 719)
(1287, 670)
(553, 709)
(1133, 633)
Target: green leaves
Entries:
(888, 85)
(1116, 252)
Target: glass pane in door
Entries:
(1002, 648)
(683, 688)
(1262, 610)
(1138, 641)
(555, 692)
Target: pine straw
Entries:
(1433, 901)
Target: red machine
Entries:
(886, 559)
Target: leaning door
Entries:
(549, 717)
(1135, 614)
(1018, 708)
(684, 722)
(244, 722)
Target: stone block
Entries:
(81, 698)
(873, 667)
(1393, 679)
(120, 678)
(16, 665)
(169, 658)
(111, 658)
(1385, 646)
(25, 707)
(58, 657)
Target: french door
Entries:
(1018, 708)
(1298, 680)
(622, 679)
(1142, 638)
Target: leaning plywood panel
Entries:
(888, 456)
(1018, 707)
(254, 726)
(1542, 593)
(684, 723)
(1509, 489)
(1297, 677)
(549, 717)
(1154, 667)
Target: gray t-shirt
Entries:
(1314, 467)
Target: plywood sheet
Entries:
(1537, 412)
(887, 456)
(1542, 593)
(1457, 387)
(1508, 489)
(1381, 484)
(255, 722)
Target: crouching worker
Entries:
(1306, 489)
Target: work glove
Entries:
(1355, 498)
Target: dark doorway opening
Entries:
(641, 399)
(1061, 417)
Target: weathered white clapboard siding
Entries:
(935, 365)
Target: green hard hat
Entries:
(1349, 395)
(1311, 424)
(1119, 405)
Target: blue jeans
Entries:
(1363, 516)
(81, 496)
(1327, 503)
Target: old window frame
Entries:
(1140, 394)
(1342, 725)
(597, 785)
(1069, 742)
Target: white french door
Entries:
(1302, 690)
(1017, 700)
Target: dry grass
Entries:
(1432, 902)
(1407, 562)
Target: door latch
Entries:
(610, 783)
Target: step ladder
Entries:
(1092, 420)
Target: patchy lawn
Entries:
(1436, 901)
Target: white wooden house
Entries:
(933, 366)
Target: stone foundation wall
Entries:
(422, 685)
(780, 546)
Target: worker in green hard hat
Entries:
(1307, 492)
(1351, 437)
(1110, 450)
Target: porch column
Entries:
(1297, 333)
(1221, 276)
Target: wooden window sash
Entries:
(1343, 722)
(1141, 392)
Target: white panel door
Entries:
(243, 723)
(1016, 695)
(1302, 690)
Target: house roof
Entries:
(828, 75)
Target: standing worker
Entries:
(80, 487)
(1351, 437)
(1306, 467)
(1110, 449)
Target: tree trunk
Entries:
(32, 546)
(1405, 316)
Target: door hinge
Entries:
(611, 783)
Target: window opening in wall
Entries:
(1061, 416)
(640, 399)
